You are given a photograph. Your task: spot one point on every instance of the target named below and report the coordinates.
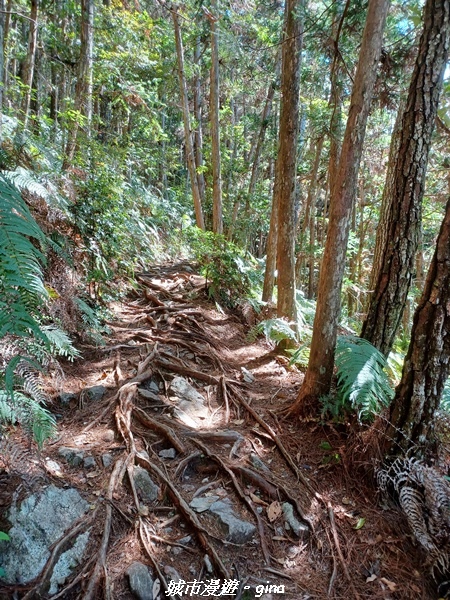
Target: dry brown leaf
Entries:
(391, 585)
(256, 499)
(371, 578)
(274, 511)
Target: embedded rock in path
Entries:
(168, 453)
(300, 529)
(96, 392)
(39, 522)
(146, 488)
(73, 456)
(191, 409)
(141, 581)
(235, 529)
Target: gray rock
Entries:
(258, 463)
(141, 581)
(68, 561)
(66, 398)
(185, 540)
(208, 564)
(96, 392)
(191, 408)
(203, 503)
(73, 456)
(89, 462)
(300, 529)
(107, 460)
(169, 453)
(146, 488)
(38, 523)
(236, 530)
(171, 573)
(177, 550)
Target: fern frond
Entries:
(18, 407)
(362, 381)
(274, 330)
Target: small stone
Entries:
(236, 530)
(208, 564)
(201, 504)
(291, 522)
(141, 581)
(108, 436)
(146, 488)
(258, 463)
(176, 550)
(72, 456)
(185, 540)
(66, 398)
(107, 460)
(89, 462)
(96, 392)
(188, 487)
(171, 573)
(169, 453)
(192, 570)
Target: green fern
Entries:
(362, 382)
(22, 288)
(275, 330)
(17, 407)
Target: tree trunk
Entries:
(320, 367)
(83, 89)
(214, 119)
(285, 173)
(427, 362)
(309, 216)
(198, 135)
(28, 69)
(271, 252)
(408, 180)
(190, 158)
(262, 131)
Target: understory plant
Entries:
(26, 342)
(231, 273)
(362, 383)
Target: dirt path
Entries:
(225, 452)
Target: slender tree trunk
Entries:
(83, 89)
(190, 158)
(320, 367)
(271, 259)
(285, 173)
(198, 135)
(407, 180)
(265, 118)
(6, 51)
(310, 207)
(214, 117)
(28, 69)
(427, 363)
(2, 61)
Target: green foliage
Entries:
(362, 383)
(231, 273)
(92, 320)
(274, 330)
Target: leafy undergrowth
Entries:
(349, 546)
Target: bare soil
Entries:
(357, 546)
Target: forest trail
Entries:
(229, 473)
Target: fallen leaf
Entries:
(360, 523)
(391, 585)
(274, 511)
(256, 499)
(371, 578)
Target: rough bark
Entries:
(83, 88)
(427, 363)
(320, 368)
(214, 119)
(285, 173)
(198, 135)
(190, 158)
(397, 266)
(28, 68)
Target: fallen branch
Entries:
(101, 557)
(339, 551)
